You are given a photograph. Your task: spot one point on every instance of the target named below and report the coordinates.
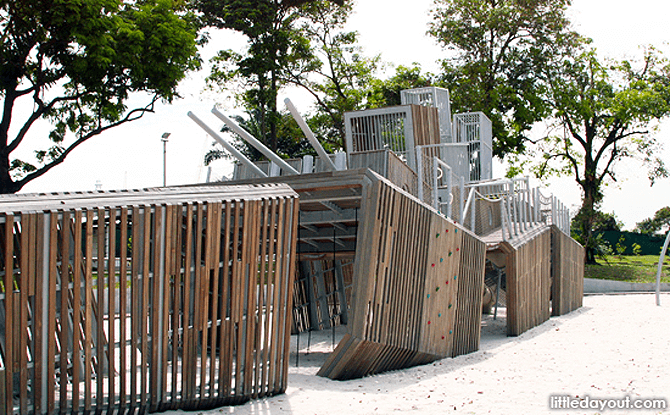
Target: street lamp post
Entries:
(164, 139)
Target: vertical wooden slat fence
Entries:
(528, 271)
(407, 287)
(567, 273)
(151, 300)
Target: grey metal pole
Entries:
(254, 142)
(232, 150)
(658, 272)
(310, 136)
(164, 139)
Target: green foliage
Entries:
(386, 93)
(606, 112)
(639, 269)
(79, 62)
(637, 249)
(277, 53)
(620, 246)
(657, 224)
(339, 74)
(502, 48)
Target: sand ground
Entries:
(615, 346)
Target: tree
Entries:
(607, 113)
(500, 49)
(386, 92)
(339, 74)
(79, 62)
(275, 46)
(660, 222)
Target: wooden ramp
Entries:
(418, 288)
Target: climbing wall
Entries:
(407, 272)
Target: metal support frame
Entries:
(310, 136)
(254, 142)
(231, 149)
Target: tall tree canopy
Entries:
(339, 75)
(275, 48)
(659, 223)
(78, 62)
(499, 50)
(605, 112)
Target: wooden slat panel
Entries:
(528, 273)
(409, 260)
(567, 273)
(128, 337)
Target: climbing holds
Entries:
(437, 288)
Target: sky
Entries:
(131, 156)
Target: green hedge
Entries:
(651, 245)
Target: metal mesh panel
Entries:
(377, 130)
(474, 128)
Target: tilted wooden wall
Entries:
(528, 271)
(567, 273)
(179, 302)
(412, 271)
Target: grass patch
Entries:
(629, 268)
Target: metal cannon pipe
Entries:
(310, 136)
(235, 152)
(254, 142)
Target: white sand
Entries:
(613, 347)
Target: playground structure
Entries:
(395, 239)
(145, 300)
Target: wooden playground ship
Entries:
(185, 297)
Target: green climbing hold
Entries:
(437, 288)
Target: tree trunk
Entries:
(586, 217)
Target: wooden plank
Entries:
(252, 233)
(138, 220)
(214, 230)
(177, 301)
(225, 375)
(236, 303)
(272, 280)
(66, 225)
(155, 312)
(199, 347)
(274, 382)
(291, 232)
(169, 312)
(25, 254)
(100, 341)
(144, 316)
(51, 346)
(123, 307)
(77, 267)
(88, 311)
(188, 363)
(111, 310)
(262, 287)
